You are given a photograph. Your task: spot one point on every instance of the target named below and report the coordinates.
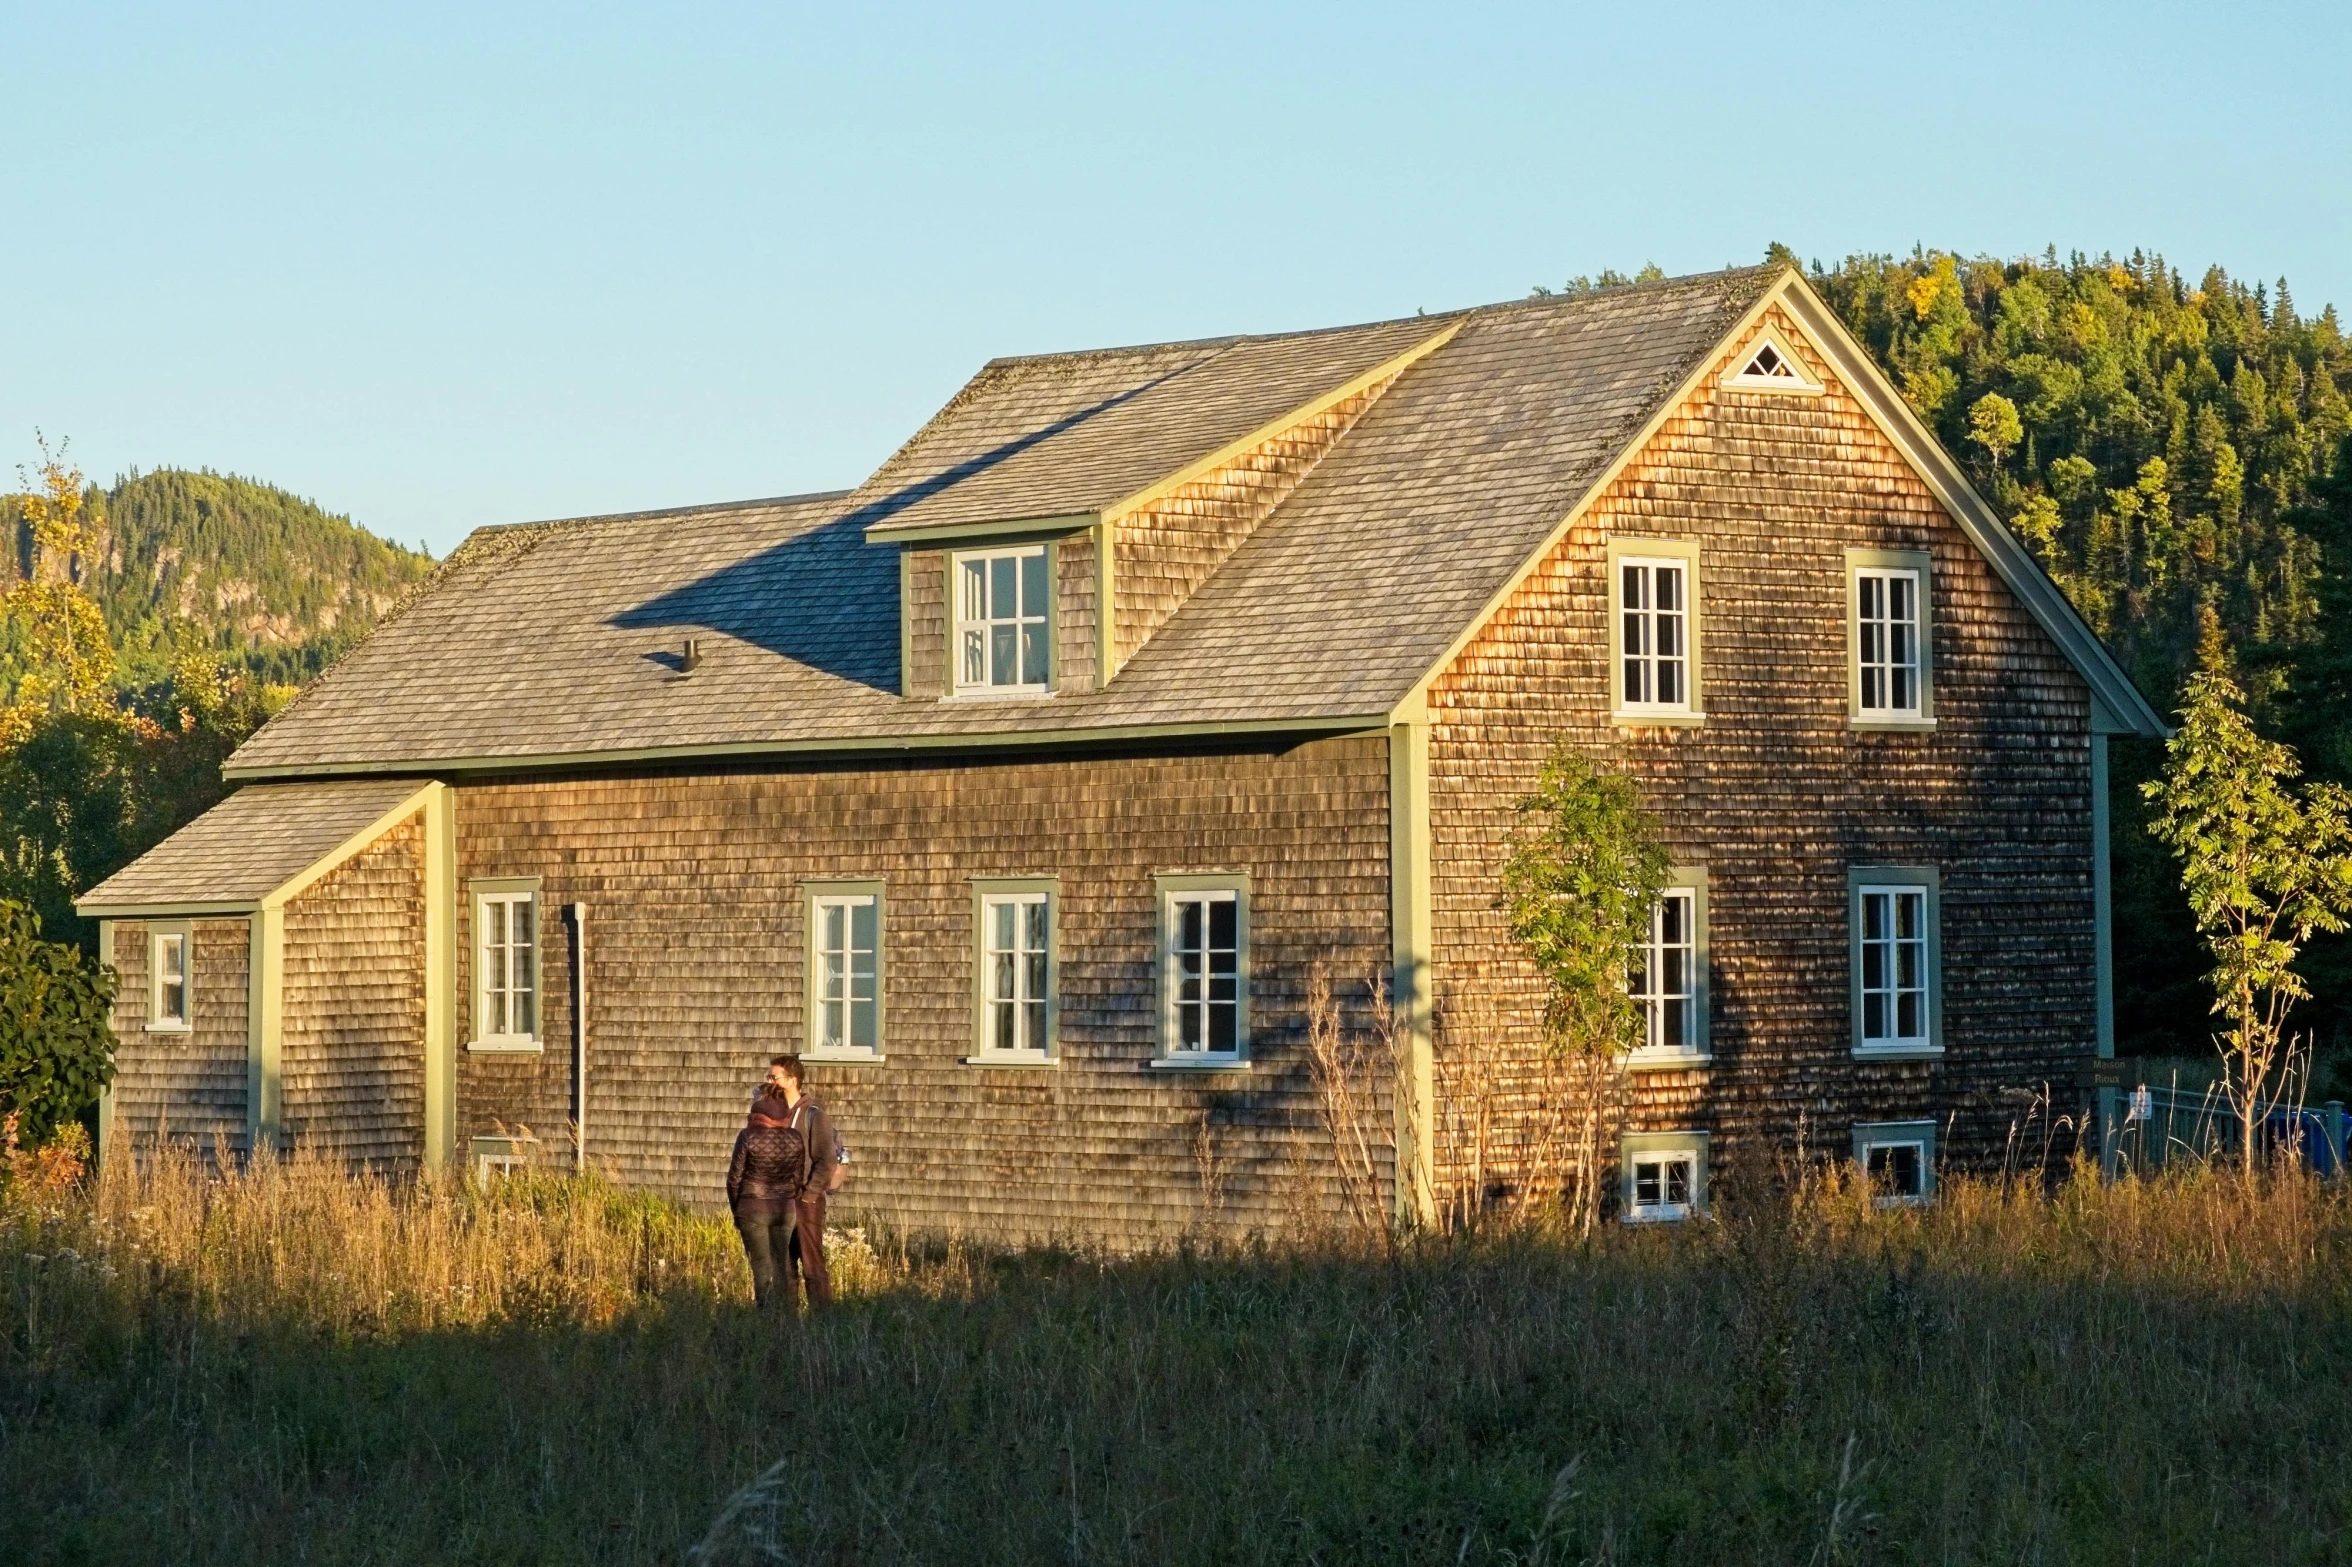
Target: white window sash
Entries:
(1896, 985)
(506, 986)
(1654, 635)
(167, 957)
(847, 999)
(1205, 995)
(1663, 1205)
(1016, 946)
(1004, 610)
(1888, 630)
(1665, 982)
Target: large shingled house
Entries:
(1023, 787)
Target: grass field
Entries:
(301, 1367)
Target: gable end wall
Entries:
(1777, 797)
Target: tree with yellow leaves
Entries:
(66, 664)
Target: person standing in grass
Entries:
(764, 1179)
(821, 1175)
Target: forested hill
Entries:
(2155, 441)
(267, 579)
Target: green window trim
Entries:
(812, 976)
(949, 688)
(1922, 563)
(985, 888)
(479, 889)
(1632, 1145)
(1887, 1134)
(1166, 888)
(1685, 551)
(1692, 879)
(157, 932)
(1905, 877)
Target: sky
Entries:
(440, 267)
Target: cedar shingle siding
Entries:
(697, 960)
(352, 1059)
(1776, 796)
(184, 1088)
(1325, 549)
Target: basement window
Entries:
(1899, 1158)
(1003, 621)
(1664, 1176)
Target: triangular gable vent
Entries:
(1768, 366)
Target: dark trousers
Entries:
(808, 1251)
(767, 1238)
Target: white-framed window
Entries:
(1768, 365)
(169, 950)
(1013, 1019)
(1653, 608)
(1889, 681)
(506, 967)
(1664, 1175)
(1654, 630)
(1897, 960)
(1899, 1158)
(1886, 615)
(845, 969)
(1204, 969)
(1003, 619)
(1667, 978)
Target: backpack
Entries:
(837, 1168)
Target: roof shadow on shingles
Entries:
(824, 598)
(885, 507)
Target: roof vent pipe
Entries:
(691, 660)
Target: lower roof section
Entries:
(257, 847)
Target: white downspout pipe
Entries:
(579, 912)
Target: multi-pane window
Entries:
(1895, 971)
(509, 984)
(1653, 609)
(1899, 1158)
(168, 957)
(1887, 632)
(1004, 624)
(1663, 978)
(1665, 1184)
(1896, 1169)
(1204, 972)
(1015, 943)
(847, 932)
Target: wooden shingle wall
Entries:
(1165, 550)
(185, 1088)
(697, 959)
(926, 611)
(1075, 667)
(1777, 796)
(353, 1012)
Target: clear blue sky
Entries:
(444, 266)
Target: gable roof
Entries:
(558, 643)
(259, 846)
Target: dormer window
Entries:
(1003, 620)
(1769, 366)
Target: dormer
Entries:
(1060, 510)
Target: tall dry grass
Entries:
(298, 1365)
